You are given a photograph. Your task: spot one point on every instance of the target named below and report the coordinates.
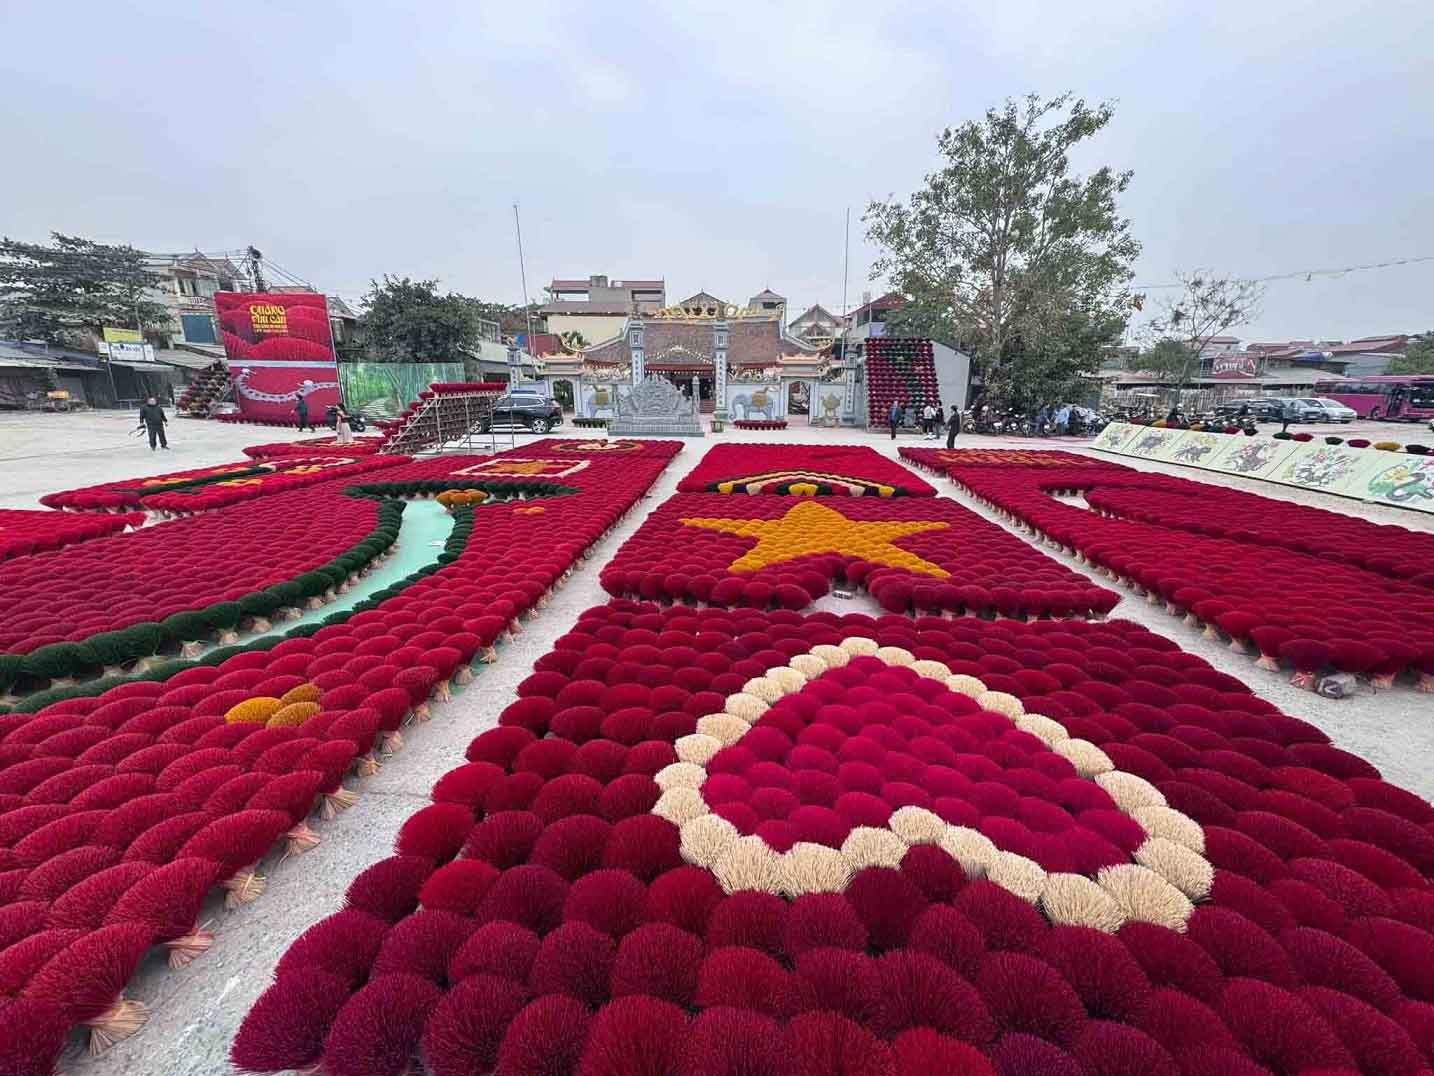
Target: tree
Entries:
(73, 286)
(1418, 357)
(408, 320)
(1003, 244)
(1207, 306)
(1169, 359)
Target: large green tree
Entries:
(408, 320)
(1418, 357)
(70, 287)
(1004, 244)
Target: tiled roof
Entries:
(1373, 345)
(890, 301)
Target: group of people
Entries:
(343, 430)
(931, 421)
(1057, 420)
(153, 420)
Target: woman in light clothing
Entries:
(341, 426)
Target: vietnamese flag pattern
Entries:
(913, 554)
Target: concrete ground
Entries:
(41, 453)
(197, 1009)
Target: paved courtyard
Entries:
(197, 1009)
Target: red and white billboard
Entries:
(1235, 366)
(279, 347)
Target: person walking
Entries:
(953, 426)
(151, 417)
(301, 408)
(893, 417)
(341, 426)
(928, 421)
(1043, 417)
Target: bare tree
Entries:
(1208, 306)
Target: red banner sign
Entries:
(1235, 365)
(279, 348)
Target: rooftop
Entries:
(1375, 345)
(890, 301)
(603, 282)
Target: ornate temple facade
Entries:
(734, 361)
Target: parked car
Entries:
(532, 411)
(1306, 410)
(1334, 411)
(1260, 409)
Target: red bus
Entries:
(1404, 397)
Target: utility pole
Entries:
(523, 273)
(846, 261)
(845, 276)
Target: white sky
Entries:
(715, 144)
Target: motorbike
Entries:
(357, 422)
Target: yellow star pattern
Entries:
(528, 467)
(809, 527)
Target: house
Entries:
(769, 302)
(816, 325)
(29, 370)
(187, 283)
(597, 308)
(869, 319)
(1369, 355)
(1219, 345)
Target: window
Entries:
(198, 328)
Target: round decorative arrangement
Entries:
(743, 790)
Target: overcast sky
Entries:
(716, 144)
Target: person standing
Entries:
(151, 417)
(1043, 417)
(893, 417)
(301, 408)
(928, 421)
(953, 426)
(1063, 419)
(341, 426)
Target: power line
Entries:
(1306, 274)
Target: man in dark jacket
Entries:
(953, 426)
(302, 409)
(151, 417)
